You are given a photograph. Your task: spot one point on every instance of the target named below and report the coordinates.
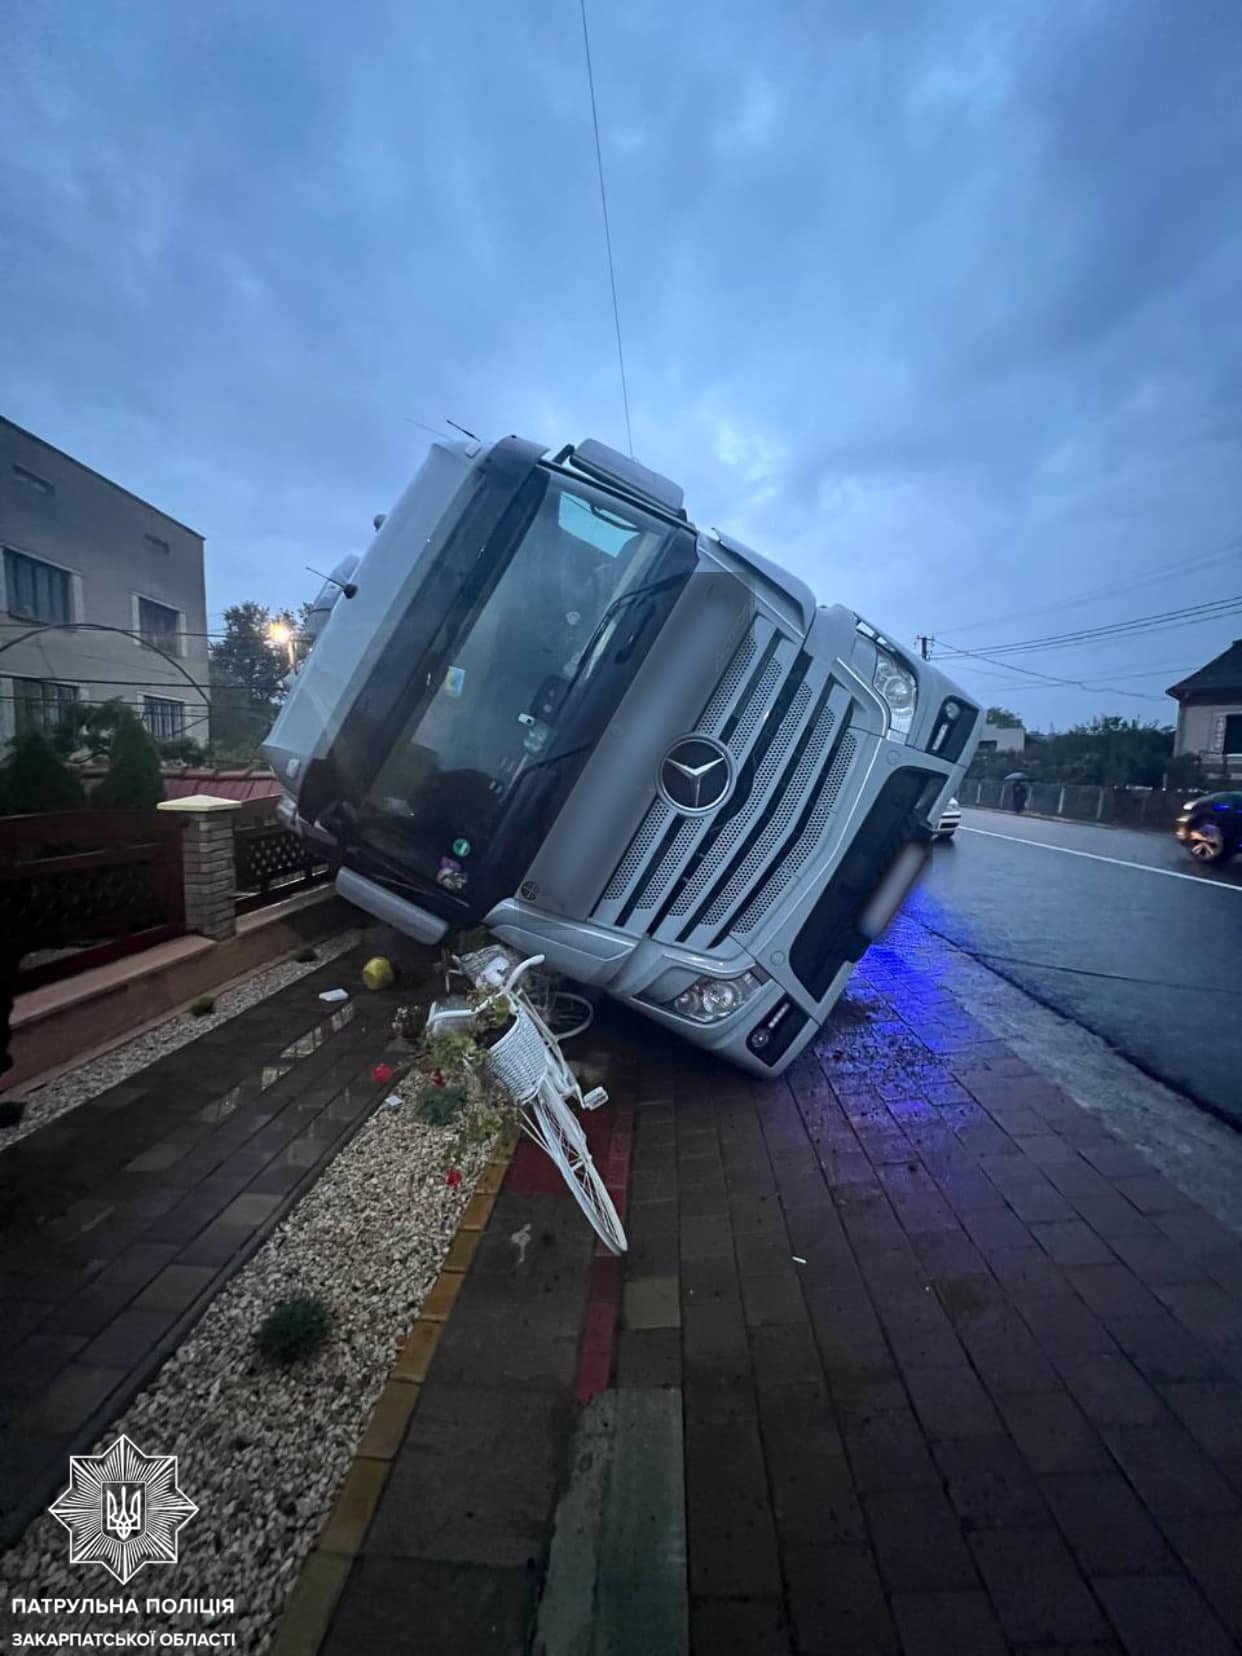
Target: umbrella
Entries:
(1016, 776)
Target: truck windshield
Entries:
(568, 611)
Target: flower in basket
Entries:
(381, 1074)
(453, 1178)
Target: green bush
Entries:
(134, 781)
(11, 1111)
(203, 1007)
(293, 1329)
(184, 750)
(437, 1106)
(36, 779)
(87, 726)
(305, 956)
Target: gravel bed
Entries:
(86, 1081)
(261, 1449)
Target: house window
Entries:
(32, 480)
(157, 625)
(1233, 734)
(39, 704)
(155, 544)
(164, 719)
(37, 591)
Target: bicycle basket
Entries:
(519, 1060)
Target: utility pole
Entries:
(924, 644)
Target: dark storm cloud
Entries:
(937, 302)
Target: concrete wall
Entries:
(1000, 739)
(113, 545)
(1197, 728)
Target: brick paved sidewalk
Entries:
(448, 1551)
(120, 1220)
(914, 1356)
(960, 1371)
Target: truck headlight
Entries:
(711, 998)
(899, 690)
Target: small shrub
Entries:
(203, 1007)
(185, 751)
(437, 1106)
(305, 956)
(292, 1330)
(37, 779)
(134, 781)
(11, 1111)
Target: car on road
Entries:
(950, 821)
(1211, 827)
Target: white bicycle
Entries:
(528, 1063)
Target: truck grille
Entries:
(785, 722)
(731, 833)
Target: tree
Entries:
(184, 750)
(87, 727)
(1186, 772)
(37, 779)
(134, 781)
(1107, 751)
(247, 679)
(1003, 719)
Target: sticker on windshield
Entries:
(452, 876)
(454, 682)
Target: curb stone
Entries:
(308, 1614)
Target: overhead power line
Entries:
(1051, 679)
(1163, 572)
(1147, 672)
(603, 201)
(1162, 621)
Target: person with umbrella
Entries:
(1020, 790)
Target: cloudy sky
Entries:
(937, 303)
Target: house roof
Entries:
(1224, 675)
(224, 784)
(33, 437)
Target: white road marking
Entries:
(1094, 856)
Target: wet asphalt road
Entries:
(1156, 961)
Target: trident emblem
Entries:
(123, 1510)
(122, 1516)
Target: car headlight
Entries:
(899, 690)
(711, 998)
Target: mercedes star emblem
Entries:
(696, 775)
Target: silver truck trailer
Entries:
(543, 700)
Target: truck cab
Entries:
(544, 701)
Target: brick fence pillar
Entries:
(207, 863)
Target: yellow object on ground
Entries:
(378, 973)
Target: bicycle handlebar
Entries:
(521, 967)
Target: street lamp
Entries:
(282, 636)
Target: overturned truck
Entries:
(545, 701)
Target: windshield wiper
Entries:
(646, 590)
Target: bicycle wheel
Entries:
(550, 1121)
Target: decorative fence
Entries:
(272, 863)
(1123, 807)
(81, 888)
